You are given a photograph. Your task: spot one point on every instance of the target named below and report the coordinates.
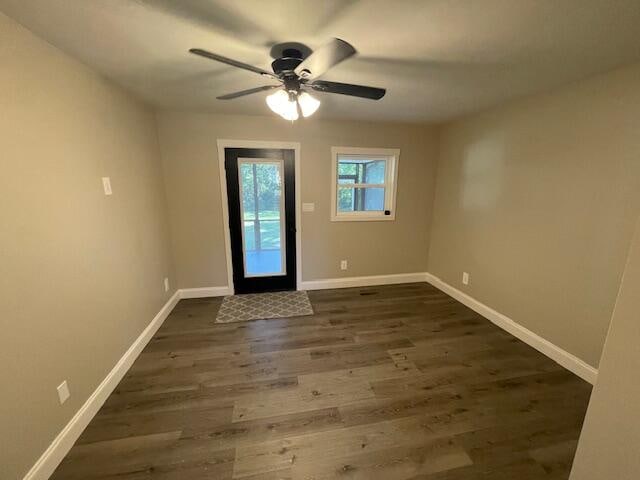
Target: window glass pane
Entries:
(346, 168)
(346, 180)
(374, 171)
(361, 170)
(347, 172)
(373, 199)
(346, 200)
(368, 199)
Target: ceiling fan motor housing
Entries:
(290, 59)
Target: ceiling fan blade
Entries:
(324, 58)
(372, 93)
(242, 93)
(229, 61)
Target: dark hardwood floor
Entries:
(393, 382)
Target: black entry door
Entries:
(261, 196)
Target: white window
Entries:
(364, 183)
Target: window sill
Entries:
(363, 218)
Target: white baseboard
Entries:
(61, 445)
(555, 353)
(204, 292)
(369, 281)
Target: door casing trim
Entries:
(295, 146)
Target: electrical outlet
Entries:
(465, 278)
(343, 265)
(166, 284)
(106, 184)
(63, 392)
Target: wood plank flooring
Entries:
(393, 382)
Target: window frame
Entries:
(390, 185)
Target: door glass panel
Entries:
(262, 207)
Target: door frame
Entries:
(295, 146)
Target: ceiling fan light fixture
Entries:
(297, 67)
(308, 104)
(281, 103)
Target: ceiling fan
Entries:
(298, 69)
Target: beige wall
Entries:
(82, 273)
(190, 161)
(610, 438)
(537, 201)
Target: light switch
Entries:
(308, 207)
(106, 184)
(63, 392)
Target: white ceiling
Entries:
(438, 59)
